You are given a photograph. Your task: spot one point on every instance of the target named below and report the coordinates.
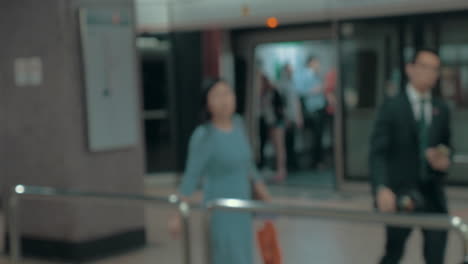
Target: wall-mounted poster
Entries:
(108, 44)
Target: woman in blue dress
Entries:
(219, 153)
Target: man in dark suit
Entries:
(410, 155)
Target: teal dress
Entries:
(224, 163)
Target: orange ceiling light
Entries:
(272, 22)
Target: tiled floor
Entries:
(303, 240)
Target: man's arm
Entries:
(440, 157)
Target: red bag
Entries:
(269, 245)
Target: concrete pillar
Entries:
(43, 137)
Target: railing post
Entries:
(13, 227)
(207, 230)
(462, 229)
(464, 234)
(184, 211)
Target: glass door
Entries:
(370, 70)
(290, 87)
(160, 147)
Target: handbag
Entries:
(413, 197)
(268, 243)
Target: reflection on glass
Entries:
(454, 87)
(370, 72)
(296, 84)
(160, 145)
(454, 75)
(372, 55)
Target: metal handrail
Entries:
(461, 159)
(24, 192)
(431, 221)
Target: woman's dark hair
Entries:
(207, 85)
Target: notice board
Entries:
(108, 52)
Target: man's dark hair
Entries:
(310, 59)
(421, 50)
(208, 84)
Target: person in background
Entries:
(219, 152)
(410, 154)
(309, 87)
(272, 126)
(293, 113)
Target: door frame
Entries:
(244, 45)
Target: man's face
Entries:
(424, 72)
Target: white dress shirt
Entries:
(415, 98)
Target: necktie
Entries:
(423, 139)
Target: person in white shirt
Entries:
(293, 113)
(410, 155)
(309, 86)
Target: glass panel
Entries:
(160, 151)
(370, 72)
(160, 146)
(454, 87)
(296, 84)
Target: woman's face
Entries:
(221, 101)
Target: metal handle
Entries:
(21, 191)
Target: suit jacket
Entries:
(395, 158)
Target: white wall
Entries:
(161, 15)
(152, 15)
